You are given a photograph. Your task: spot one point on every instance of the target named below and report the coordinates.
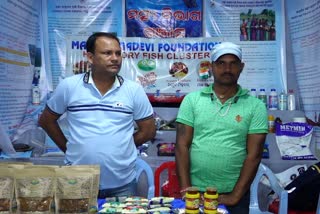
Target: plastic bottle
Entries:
(253, 92)
(316, 136)
(36, 95)
(291, 100)
(273, 100)
(263, 96)
(192, 200)
(283, 101)
(271, 123)
(210, 200)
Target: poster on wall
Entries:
(73, 18)
(259, 28)
(164, 19)
(304, 26)
(20, 65)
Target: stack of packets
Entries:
(138, 205)
(27, 188)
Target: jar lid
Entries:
(193, 190)
(211, 190)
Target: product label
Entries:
(291, 103)
(210, 204)
(36, 96)
(273, 102)
(192, 203)
(283, 102)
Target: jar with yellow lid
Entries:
(192, 198)
(211, 200)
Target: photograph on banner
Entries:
(74, 17)
(20, 64)
(259, 28)
(165, 19)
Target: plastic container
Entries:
(273, 100)
(291, 100)
(36, 95)
(263, 96)
(316, 136)
(253, 92)
(210, 201)
(283, 101)
(271, 126)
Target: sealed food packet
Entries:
(34, 188)
(293, 140)
(6, 189)
(95, 172)
(74, 190)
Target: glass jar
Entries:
(210, 200)
(192, 200)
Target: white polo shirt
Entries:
(101, 127)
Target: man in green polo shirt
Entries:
(221, 132)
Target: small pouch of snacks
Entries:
(166, 149)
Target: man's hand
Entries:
(228, 199)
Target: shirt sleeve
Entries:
(186, 113)
(259, 122)
(58, 102)
(142, 105)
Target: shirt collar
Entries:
(87, 78)
(209, 90)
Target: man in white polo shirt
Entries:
(101, 109)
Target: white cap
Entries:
(226, 48)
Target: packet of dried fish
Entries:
(34, 188)
(74, 189)
(6, 189)
(95, 172)
(15, 165)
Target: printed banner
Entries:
(164, 18)
(170, 68)
(304, 27)
(20, 64)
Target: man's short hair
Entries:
(90, 44)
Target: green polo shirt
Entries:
(218, 147)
